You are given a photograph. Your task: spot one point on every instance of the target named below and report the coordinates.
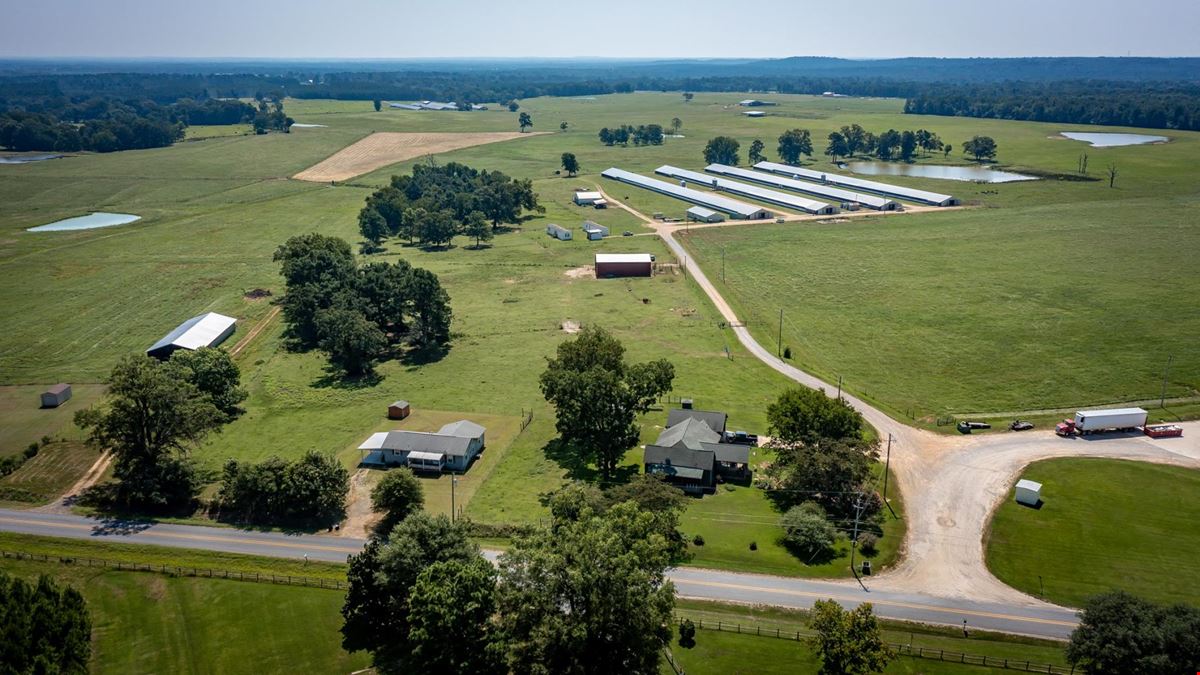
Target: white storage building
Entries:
(793, 202)
(558, 232)
(910, 194)
(843, 196)
(594, 231)
(587, 198)
(737, 209)
(700, 214)
(206, 330)
(1029, 492)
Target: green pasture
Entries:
(49, 474)
(1104, 524)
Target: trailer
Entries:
(1099, 421)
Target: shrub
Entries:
(787, 353)
(754, 546)
(698, 540)
(807, 531)
(687, 634)
(868, 543)
(31, 451)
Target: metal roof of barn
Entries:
(828, 191)
(746, 190)
(206, 330)
(911, 194)
(724, 204)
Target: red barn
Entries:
(623, 265)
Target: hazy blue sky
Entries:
(615, 28)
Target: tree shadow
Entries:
(423, 355)
(822, 556)
(579, 468)
(335, 378)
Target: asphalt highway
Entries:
(1039, 621)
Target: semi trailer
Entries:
(1099, 421)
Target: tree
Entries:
(377, 611)
(1121, 633)
(437, 229)
(450, 615)
(397, 495)
(650, 493)
(46, 627)
(597, 396)
(947, 149)
(980, 147)
(151, 417)
(676, 125)
(908, 145)
(849, 643)
(478, 228)
(431, 309)
(215, 374)
(525, 121)
(513, 106)
(1112, 174)
(621, 135)
(351, 341)
(856, 139)
(688, 96)
(314, 489)
(607, 137)
(801, 414)
(793, 143)
(315, 269)
(887, 144)
(807, 531)
(378, 105)
(833, 473)
(372, 226)
(722, 150)
(756, 150)
(837, 146)
(562, 126)
(570, 164)
(586, 596)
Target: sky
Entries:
(381, 29)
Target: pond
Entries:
(978, 174)
(1109, 140)
(298, 125)
(25, 159)
(88, 222)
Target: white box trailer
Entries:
(1114, 419)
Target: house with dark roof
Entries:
(691, 453)
(452, 447)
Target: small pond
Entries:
(25, 159)
(979, 174)
(298, 125)
(1108, 140)
(88, 222)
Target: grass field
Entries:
(55, 468)
(154, 623)
(1104, 524)
(876, 299)
(201, 132)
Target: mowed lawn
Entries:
(24, 421)
(1104, 524)
(155, 623)
(49, 474)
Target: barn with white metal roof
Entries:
(910, 194)
(703, 215)
(735, 208)
(753, 191)
(844, 196)
(624, 265)
(206, 330)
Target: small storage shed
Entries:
(594, 230)
(1029, 493)
(587, 198)
(623, 265)
(700, 214)
(558, 232)
(398, 410)
(56, 395)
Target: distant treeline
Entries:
(1151, 105)
(101, 124)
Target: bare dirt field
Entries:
(386, 147)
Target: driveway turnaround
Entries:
(1047, 621)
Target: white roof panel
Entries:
(1114, 411)
(910, 194)
(375, 442)
(623, 258)
(1026, 484)
(840, 194)
(746, 190)
(701, 212)
(206, 330)
(426, 456)
(713, 201)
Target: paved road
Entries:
(695, 583)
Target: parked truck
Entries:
(1098, 421)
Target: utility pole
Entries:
(858, 507)
(453, 482)
(1163, 398)
(839, 388)
(779, 341)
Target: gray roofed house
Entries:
(714, 420)
(453, 446)
(692, 433)
(691, 470)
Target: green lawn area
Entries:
(24, 421)
(1104, 524)
(50, 473)
(155, 623)
(204, 131)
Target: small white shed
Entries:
(1029, 493)
(587, 197)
